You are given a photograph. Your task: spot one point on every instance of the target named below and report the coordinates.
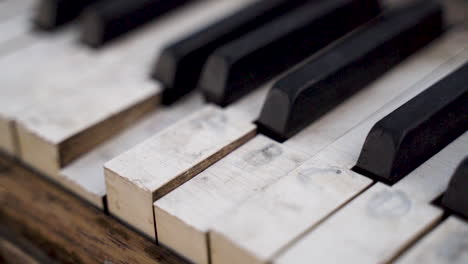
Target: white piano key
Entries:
(13, 28)
(383, 221)
(184, 216)
(302, 199)
(249, 108)
(145, 173)
(12, 8)
(447, 243)
(85, 176)
(17, 64)
(370, 229)
(257, 229)
(104, 84)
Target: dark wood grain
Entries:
(66, 228)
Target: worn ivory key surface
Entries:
(146, 173)
(170, 218)
(447, 243)
(15, 65)
(184, 216)
(85, 176)
(255, 231)
(384, 220)
(91, 99)
(135, 179)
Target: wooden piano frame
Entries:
(42, 223)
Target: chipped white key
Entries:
(316, 189)
(85, 176)
(384, 220)
(447, 243)
(94, 89)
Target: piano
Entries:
(234, 131)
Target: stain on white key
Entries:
(447, 243)
(371, 229)
(389, 204)
(155, 167)
(384, 220)
(256, 230)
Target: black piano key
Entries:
(242, 65)
(54, 13)
(456, 195)
(347, 66)
(180, 64)
(109, 19)
(417, 130)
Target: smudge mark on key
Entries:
(389, 204)
(306, 175)
(264, 155)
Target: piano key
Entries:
(200, 148)
(16, 64)
(445, 244)
(15, 26)
(183, 216)
(348, 66)
(354, 110)
(417, 130)
(175, 220)
(13, 31)
(430, 180)
(455, 197)
(85, 176)
(138, 177)
(181, 63)
(13, 8)
(378, 224)
(117, 84)
(382, 221)
(54, 13)
(242, 65)
(260, 227)
(109, 19)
